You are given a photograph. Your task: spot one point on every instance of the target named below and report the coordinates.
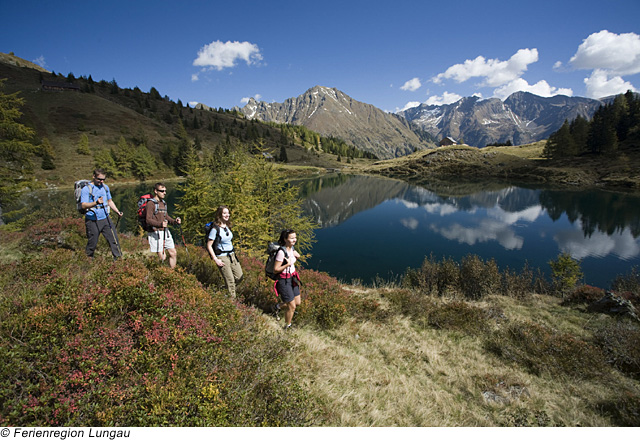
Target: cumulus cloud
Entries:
(412, 85)
(541, 88)
(610, 56)
(495, 72)
(601, 84)
(446, 98)
(218, 55)
(617, 53)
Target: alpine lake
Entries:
(373, 228)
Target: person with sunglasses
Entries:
(97, 202)
(220, 247)
(160, 239)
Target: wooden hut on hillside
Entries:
(448, 141)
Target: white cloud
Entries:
(193, 104)
(494, 71)
(412, 85)
(617, 53)
(601, 84)
(541, 88)
(195, 77)
(446, 98)
(219, 55)
(408, 105)
(609, 56)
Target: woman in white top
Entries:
(221, 251)
(288, 285)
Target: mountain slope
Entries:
(522, 118)
(330, 112)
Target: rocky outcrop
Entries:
(612, 304)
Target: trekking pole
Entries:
(183, 242)
(113, 234)
(164, 243)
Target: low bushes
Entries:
(543, 350)
(133, 343)
(472, 279)
(427, 312)
(619, 340)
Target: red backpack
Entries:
(142, 211)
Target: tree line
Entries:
(612, 125)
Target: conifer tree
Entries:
(83, 145)
(143, 163)
(104, 160)
(283, 154)
(16, 147)
(48, 155)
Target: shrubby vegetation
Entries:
(132, 343)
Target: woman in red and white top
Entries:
(288, 285)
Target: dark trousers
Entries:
(94, 229)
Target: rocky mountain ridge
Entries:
(522, 118)
(331, 112)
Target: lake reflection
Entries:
(379, 227)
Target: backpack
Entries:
(216, 243)
(272, 250)
(77, 191)
(142, 211)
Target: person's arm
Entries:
(210, 240)
(113, 206)
(281, 263)
(84, 199)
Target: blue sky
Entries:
(390, 54)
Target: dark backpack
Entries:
(77, 191)
(272, 250)
(142, 211)
(216, 243)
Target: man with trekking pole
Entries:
(157, 217)
(96, 200)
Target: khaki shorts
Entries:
(156, 239)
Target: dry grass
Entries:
(395, 373)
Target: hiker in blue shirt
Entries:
(221, 251)
(96, 199)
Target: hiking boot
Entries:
(288, 328)
(275, 311)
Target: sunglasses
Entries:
(100, 180)
(161, 190)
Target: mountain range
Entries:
(331, 112)
(522, 118)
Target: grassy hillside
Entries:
(134, 343)
(524, 163)
(105, 113)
